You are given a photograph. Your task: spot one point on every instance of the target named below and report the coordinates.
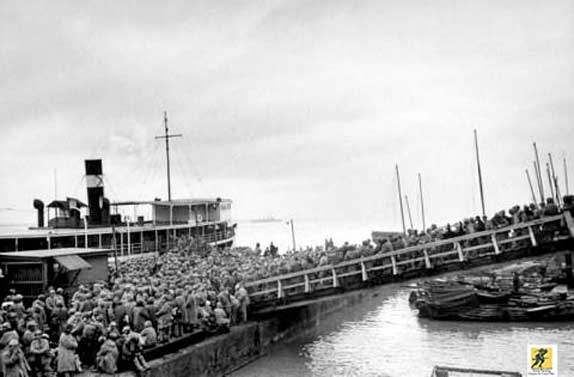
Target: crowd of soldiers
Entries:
(106, 327)
(63, 336)
(153, 299)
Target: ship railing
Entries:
(139, 248)
(218, 236)
(150, 245)
(409, 261)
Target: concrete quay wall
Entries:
(222, 354)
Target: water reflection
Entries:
(382, 336)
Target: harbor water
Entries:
(382, 336)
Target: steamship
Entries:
(100, 224)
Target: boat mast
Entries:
(167, 137)
(293, 235)
(554, 179)
(537, 179)
(479, 175)
(565, 176)
(531, 188)
(539, 173)
(550, 181)
(422, 203)
(55, 184)
(401, 200)
(409, 211)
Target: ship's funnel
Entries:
(95, 183)
(39, 206)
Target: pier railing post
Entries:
(279, 289)
(364, 271)
(569, 222)
(307, 284)
(459, 250)
(495, 244)
(335, 279)
(394, 263)
(532, 236)
(427, 259)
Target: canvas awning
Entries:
(72, 262)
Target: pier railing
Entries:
(408, 261)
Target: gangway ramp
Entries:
(545, 235)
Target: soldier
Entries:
(107, 357)
(243, 297)
(68, 361)
(28, 336)
(132, 350)
(13, 361)
(8, 335)
(164, 319)
(221, 320)
(149, 335)
(40, 356)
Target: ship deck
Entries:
(62, 232)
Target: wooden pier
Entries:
(553, 233)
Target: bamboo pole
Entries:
(531, 188)
(401, 200)
(479, 176)
(422, 203)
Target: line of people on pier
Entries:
(304, 259)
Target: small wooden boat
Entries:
(439, 371)
(457, 301)
(493, 297)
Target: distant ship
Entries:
(268, 219)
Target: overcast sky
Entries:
(290, 108)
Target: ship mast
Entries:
(422, 203)
(167, 137)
